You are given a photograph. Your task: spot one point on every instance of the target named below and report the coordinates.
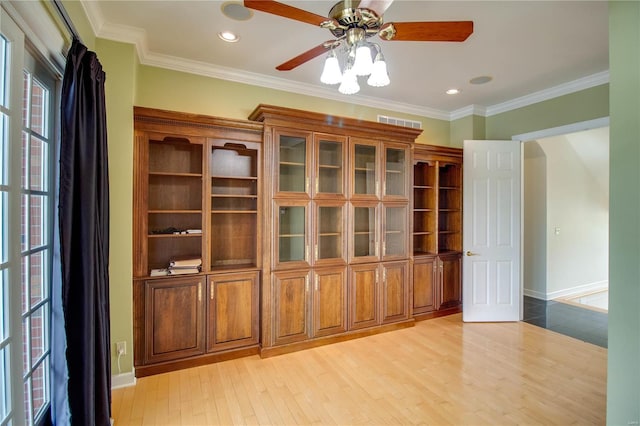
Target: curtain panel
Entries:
(84, 237)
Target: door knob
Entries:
(468, 253)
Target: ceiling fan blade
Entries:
(432, 31)
(378, 6)
(304, 57)
(286, 11)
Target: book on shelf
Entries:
(183, 271)
(186, 262)
(159, 272)
(188, 231)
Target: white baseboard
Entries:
(123, 380)
(573, 291)
(535, 294)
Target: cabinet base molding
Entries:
(308, 344)
(196, 361)
(440, 313)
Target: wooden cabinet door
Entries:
(395, 295)
(364, 296)
(330, 177)
(232, 319)
(450, 279)
(291, 169)
(395, 235)
(291, 238)
(329, 301)
(291, 306)
(425, 285)
(396, 172)
(365, 173)
(174, 318)
(329, 233)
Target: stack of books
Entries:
(182, 266)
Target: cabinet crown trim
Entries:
(160, 116)
(330, 123)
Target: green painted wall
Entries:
(623, 376)
(580, 106)
(119, 61)
(178, 91)
(470, 127)
(76, 13)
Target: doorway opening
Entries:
(565, 231)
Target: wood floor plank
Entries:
(442, 371)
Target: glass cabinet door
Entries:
(365, 238)
(329, 173)
(291, 237)
(365, 169)
(395, 232)
(395, 172)
(330, 239)
(292, 162)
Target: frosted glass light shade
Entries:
(379, 76)
(331, 73)
(363, 64)
(349, 84)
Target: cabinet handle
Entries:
(377, 187)
(306, 284)
(384, 276)
(211, 292)
(316, 283)
(317, 185)
(306, 253)
(316, 252)
(384, 188)
(199, 292)
(306, 184)
(377, 247)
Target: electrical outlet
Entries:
(121, 348)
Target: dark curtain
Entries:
(84, 237)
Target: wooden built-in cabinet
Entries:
(197, 195)
(436, 230)
(337, 225)
(306, 230)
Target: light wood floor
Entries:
(439, 372)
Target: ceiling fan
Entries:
(353, 21)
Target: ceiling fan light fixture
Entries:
(379, 76)
(349, 84)
(331, 73)
(363, 63)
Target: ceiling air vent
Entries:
(399, 122)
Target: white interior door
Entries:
(491, 283)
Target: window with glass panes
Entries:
(35, 223)
(26, 207)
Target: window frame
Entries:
(21, 56)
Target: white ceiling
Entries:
(526, 46)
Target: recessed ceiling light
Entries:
(481, 80)
(228, 36)
(452, 91)
(236, 11)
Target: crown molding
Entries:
(550, 93)
(467, 111)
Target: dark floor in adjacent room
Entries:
(581, 323)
